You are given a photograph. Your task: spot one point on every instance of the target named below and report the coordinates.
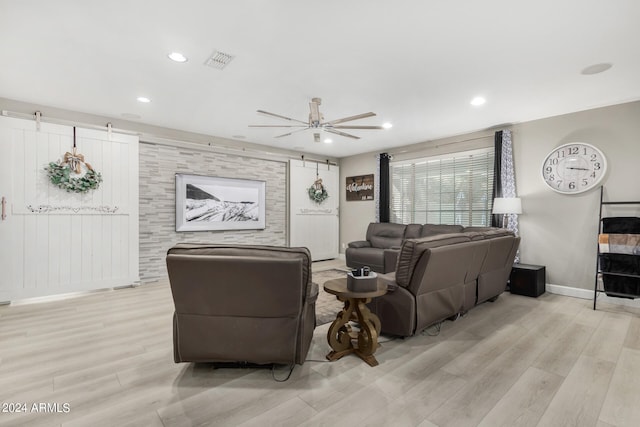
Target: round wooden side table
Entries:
(340, 335)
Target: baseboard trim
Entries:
(588, 294)
(65, 296)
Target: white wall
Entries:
(558, 231)
(355, 216)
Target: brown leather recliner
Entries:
(240, 303)
(380, 249)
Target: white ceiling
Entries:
(416, 64)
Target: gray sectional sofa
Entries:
(440, 276)
(433, 272)
(383, 241)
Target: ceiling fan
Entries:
(316, 121)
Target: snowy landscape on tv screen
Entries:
(214, 203)
(206, 203)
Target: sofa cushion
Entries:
(360, 244)
(435, 229)
(476, 228)
(497, 232)
(385, 234)
(366, 257)
(412, 250)
(413, 231)
(482, 233)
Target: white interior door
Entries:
(53, 241)
(6, 194)
(314, 225)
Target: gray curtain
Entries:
(382, 192)
(505, 180)
(508, 177)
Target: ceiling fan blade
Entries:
(348, 119)
(279, 126)
(289, 133)
(337, 132)
(356, 127)
(281, 117)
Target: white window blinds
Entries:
(451, 189)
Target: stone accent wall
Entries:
(158, 166)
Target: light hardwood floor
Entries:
(550, 361)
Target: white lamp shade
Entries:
(507, 205)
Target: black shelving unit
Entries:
(599, 272)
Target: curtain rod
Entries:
(442, 145)
(155, 139)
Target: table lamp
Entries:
(506, 206)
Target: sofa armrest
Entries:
(312, 293)
(391, 258)
(389, 279)
(360, 244)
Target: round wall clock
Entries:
(574, 168)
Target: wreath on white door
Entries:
(72, 173)
(317, 192)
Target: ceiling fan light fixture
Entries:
(318, 123)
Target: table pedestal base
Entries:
(341, 336)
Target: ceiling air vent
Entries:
(219, 60)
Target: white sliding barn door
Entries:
(314, 225)
(53, 241)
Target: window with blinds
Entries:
(451, 189)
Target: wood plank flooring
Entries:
(550, 361)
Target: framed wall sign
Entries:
(359, 187)
(209, 203)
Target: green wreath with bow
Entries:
(67, 173)
(317, 192)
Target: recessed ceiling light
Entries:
(177, 57)
(477, 101)
(596, 68)
(143, 99)
(328, 140)
(387, 125)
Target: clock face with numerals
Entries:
(574, 168)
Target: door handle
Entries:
(4, 208)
